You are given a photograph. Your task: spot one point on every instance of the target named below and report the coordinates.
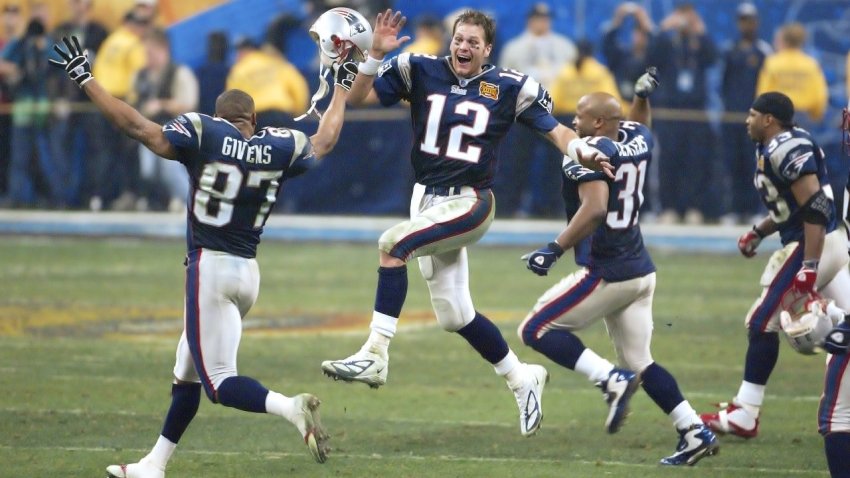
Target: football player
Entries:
(792, 180)
(235, 175)
(617, 280)
(461, 107)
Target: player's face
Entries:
(582, 122)
(468, 50)
(755, 125)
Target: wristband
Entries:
(758, 233)
(811, 264)
(370, 66)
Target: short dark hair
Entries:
(777, 105)
(479, 18)
(234, 105)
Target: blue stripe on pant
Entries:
(835, 368)
(445, 230)
(559, 307)
(193, 319)
(777, 288)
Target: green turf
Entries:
(88, 327)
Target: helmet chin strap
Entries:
(320, 93)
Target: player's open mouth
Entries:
(463, 59)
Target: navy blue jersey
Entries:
(788, 156)
(458, 123)
(234, 181)
(616, 251)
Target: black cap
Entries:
(540, 10)
(777, 105)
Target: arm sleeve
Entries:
(395, 80)
(184, 133)
(534, 107)
(303, 158)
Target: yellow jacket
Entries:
(117, 61)
(425, 46)
(800, 77)
(271, 80)
(571, 84)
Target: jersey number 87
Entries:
(214, 207)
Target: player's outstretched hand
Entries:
(647, 83)
(385, 36)
(345, 73)
(541, 260)
(749, 242)
(595, 161)
(837, 341)
(75, 61)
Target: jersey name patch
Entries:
(488, 90)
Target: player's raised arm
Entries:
(384, 40)
(331, 123)
(576, 149)
(76, 64)
(644, 86)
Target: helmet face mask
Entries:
(342, 33)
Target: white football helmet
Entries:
(341, 31)
(805, 331)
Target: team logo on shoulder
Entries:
(546, 100)
(383, 68)
(176, 127)
(488, 90)
(182, 119)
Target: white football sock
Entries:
(750, 397)
(594, 367)
(684, 416)
(510, 368)
(161, 452)
(280, 405)
(383, 330)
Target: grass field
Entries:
(88, 329)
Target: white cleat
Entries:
(308, 423)
(142, 469)
(364, 366)
(529, 398)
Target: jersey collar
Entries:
(462, 82)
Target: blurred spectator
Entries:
(212, 75)
(119, 58)
(793, 72)
(161, 91)
(367, 8)
(529, 180)
(279, 90)
(11, 27)
(628, 61)
(538, 51)
(75, 133)
(30, 115)
(683, 52)
(577, 79)
(742, 60)
(428, 36)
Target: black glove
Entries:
(837, 341)
(541, 260)
(646, 84)
(75, 61)
(345, 73)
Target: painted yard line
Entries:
(447, 458)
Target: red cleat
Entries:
(733, 420)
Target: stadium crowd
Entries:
(56, 153)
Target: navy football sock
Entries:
(185, 399)
(486, 338)
(661, 387)
(762, 354)
(837, 447)
(561, 346)
(391, 291)
(243, 393)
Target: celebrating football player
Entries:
(617, 279)
(792, 180)
(235, 175)
(461, 107)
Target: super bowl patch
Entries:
(488, 90)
